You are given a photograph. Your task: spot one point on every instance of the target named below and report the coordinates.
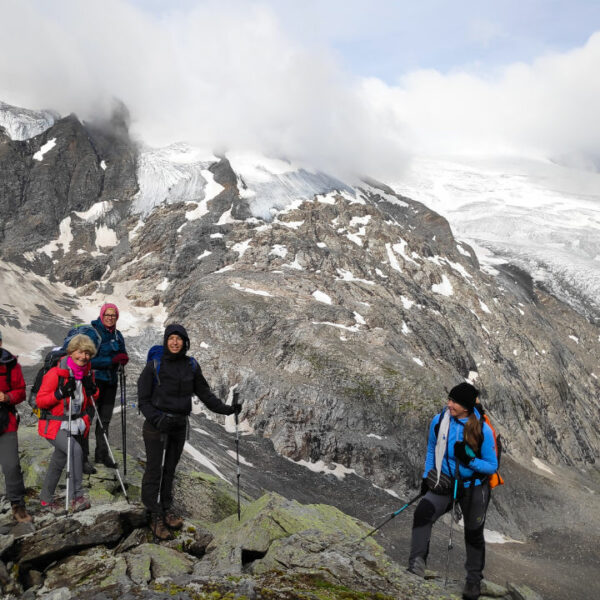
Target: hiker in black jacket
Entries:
(165, 390)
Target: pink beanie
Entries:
(105, 307)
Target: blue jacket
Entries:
(112, 343)
(485, 464)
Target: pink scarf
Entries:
(78, 372)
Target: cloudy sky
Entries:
(348, 85)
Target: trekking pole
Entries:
(69, 446)
(454, 494)
(234, 403)
(109, 450)
(165, 440)
(394, 514)
(123, 386)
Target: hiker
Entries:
(12, 392)
(165, 390)
(110, 357)
(458, 443)
(67, 386)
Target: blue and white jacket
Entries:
(486, 463)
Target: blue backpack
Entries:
(155, 355)
(83, 329)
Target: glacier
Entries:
(538, 215)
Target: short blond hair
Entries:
(83, 343)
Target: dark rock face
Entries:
(69, 168)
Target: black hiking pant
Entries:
(156, 442)
(473, 503)
(105, 405)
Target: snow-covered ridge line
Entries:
(22, 124)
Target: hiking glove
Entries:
(89, 386)
(463, 453)
(65, 389)
(120, 359)
(424, 487)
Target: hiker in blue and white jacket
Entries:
(460, 446)
(165, 390)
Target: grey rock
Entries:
(522, 592)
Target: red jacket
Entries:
(46, 399)
(14, 389)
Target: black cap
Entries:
(464, 394)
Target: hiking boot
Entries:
(20, 514)
(80, 503)
(472, 590)
(108, 462)
(88, 468)
(56, 508)
(160, 529)
(172, 521)
(417, 567)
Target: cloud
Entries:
(228, 76)
(541, 109)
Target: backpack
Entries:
(495, 479)
(155, 355)
(83, 329)
(51, 360)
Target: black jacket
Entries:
(180, 377)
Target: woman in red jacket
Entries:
(70, 383)
(12, 392)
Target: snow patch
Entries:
(419, 361)
(574, 338)
(203, 460)
(484, 307)
(348, 276)
(240, 288)
(320, 466)
(540, 465)
(105, 237)
(321, 297)
(243, 461)
(392, 258)
(64, 239)
(241, 247)
(204, 254)
(97, 210)
(163, 285)
(39, 155)
(279, 250)
(444, 288)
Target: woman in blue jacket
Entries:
(110, 357)
(459, 446)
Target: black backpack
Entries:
(51, 360)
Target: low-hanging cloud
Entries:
(226, 76)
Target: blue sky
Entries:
(387, 38)
(345, 85)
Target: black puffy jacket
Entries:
(179, 378)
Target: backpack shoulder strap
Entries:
(156, 367)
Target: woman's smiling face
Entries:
(174, 343)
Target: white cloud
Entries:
(231, 76)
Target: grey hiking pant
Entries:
(11, 467)
(473, 504)
(57, 464)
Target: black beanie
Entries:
(464, 394)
